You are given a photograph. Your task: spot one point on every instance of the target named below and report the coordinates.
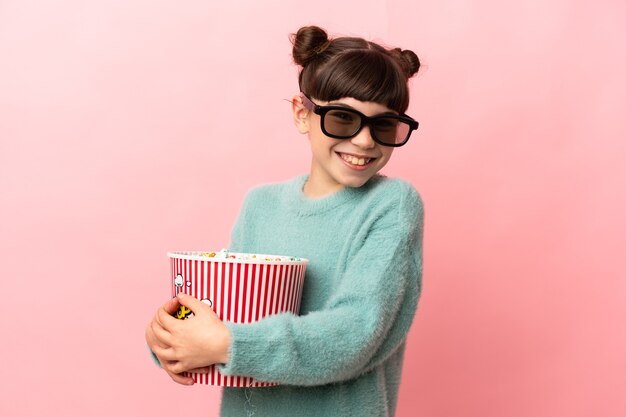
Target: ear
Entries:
(300, 114)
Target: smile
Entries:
(355, 160)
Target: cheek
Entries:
(320, 142)
(316, 134)
(387, 152)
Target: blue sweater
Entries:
(343, 355)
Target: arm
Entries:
(365, 322)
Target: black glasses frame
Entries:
(365, 121)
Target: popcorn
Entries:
(232, 284)
(226, 254)
(223, 254)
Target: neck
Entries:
(313, 189)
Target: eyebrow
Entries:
(340, 104)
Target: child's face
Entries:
(339, 163)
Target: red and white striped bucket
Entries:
(241, 288)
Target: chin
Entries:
(355, 182)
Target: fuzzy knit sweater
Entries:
(343, 355)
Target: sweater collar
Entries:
(310, 206)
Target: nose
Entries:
(364, 139)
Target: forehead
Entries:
(369, 108)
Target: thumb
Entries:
(171, 305)
(192, 303)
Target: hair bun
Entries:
(408, 60)
(308, 42)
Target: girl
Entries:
(362, 232)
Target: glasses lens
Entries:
(390, 130)
(342, 123)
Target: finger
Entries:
(181, 379)
(171, 306)
(157, 335)
(203, 370)
(151, 339)
(166, 321)
(165, 355)
(149, 334)
(160, 334)
(169, 366)
(175, 367)
(192, 303)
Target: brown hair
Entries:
(352, 67)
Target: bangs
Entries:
(366, 75)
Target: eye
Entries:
(386, 124)
(341, 116)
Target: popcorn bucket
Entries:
(239, 287)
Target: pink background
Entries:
(130, 128)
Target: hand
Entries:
(188, 345)
(171, 306)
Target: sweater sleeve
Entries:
(365, 321)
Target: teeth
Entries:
(354, 160)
